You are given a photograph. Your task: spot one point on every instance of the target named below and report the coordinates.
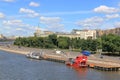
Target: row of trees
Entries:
(109, 43)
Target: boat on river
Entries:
(79, 61)
(35, 55)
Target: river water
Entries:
(18, 67)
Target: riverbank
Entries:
(25, 50)
(13, 49)
(92, 58)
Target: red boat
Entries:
(79, 61)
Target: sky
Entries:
(23, 17)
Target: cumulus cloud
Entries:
(24, 10)
(18, 27)
(2, 15)
(106, 9)
(8, 0)
(34, 4)
(52, 23)
(117, 24)
(66, 13)
(29, 12)
(14, 23)
(119, 4)
(112, 25)
(48, 20)
(112, 16)
(90, 22)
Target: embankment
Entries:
(13, 49)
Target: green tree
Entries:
(53, 38)
(63, 42)
(110, 43)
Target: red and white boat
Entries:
(79, 61)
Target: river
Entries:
(18, 67)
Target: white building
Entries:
(1, 36)
(38, 32)
(85, 34)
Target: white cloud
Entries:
(8, 0)
(33, 15)
(106, 9)
(48, 20)
(112, 25)
(14, 23)
(90, 22)
(7, 27)
(24, 10)
(34, 4)
(17, 27)
(29, 12)
(119, 4)
(112, 16)
(117, 24)
(52, 23)
(2, 15)
(66, 13)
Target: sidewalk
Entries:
(25, 50)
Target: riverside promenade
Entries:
(94, 61)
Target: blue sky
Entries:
(22, 17)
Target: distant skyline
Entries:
(22, 17)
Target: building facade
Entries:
(115, 31)
(83, 34)
(37, 32)
(40, 33)
(1, 36)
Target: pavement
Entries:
(70, 54)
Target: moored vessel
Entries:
(79, 61)
(34, 55)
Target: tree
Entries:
(99, 43)
(48, 43)
(110, 43)
(63, 42)
(53, 38)
(117, 43)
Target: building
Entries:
(115, 31)
(69, 35)
(1, 36)
(38, 32)
(83, 34)
(48, 32)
